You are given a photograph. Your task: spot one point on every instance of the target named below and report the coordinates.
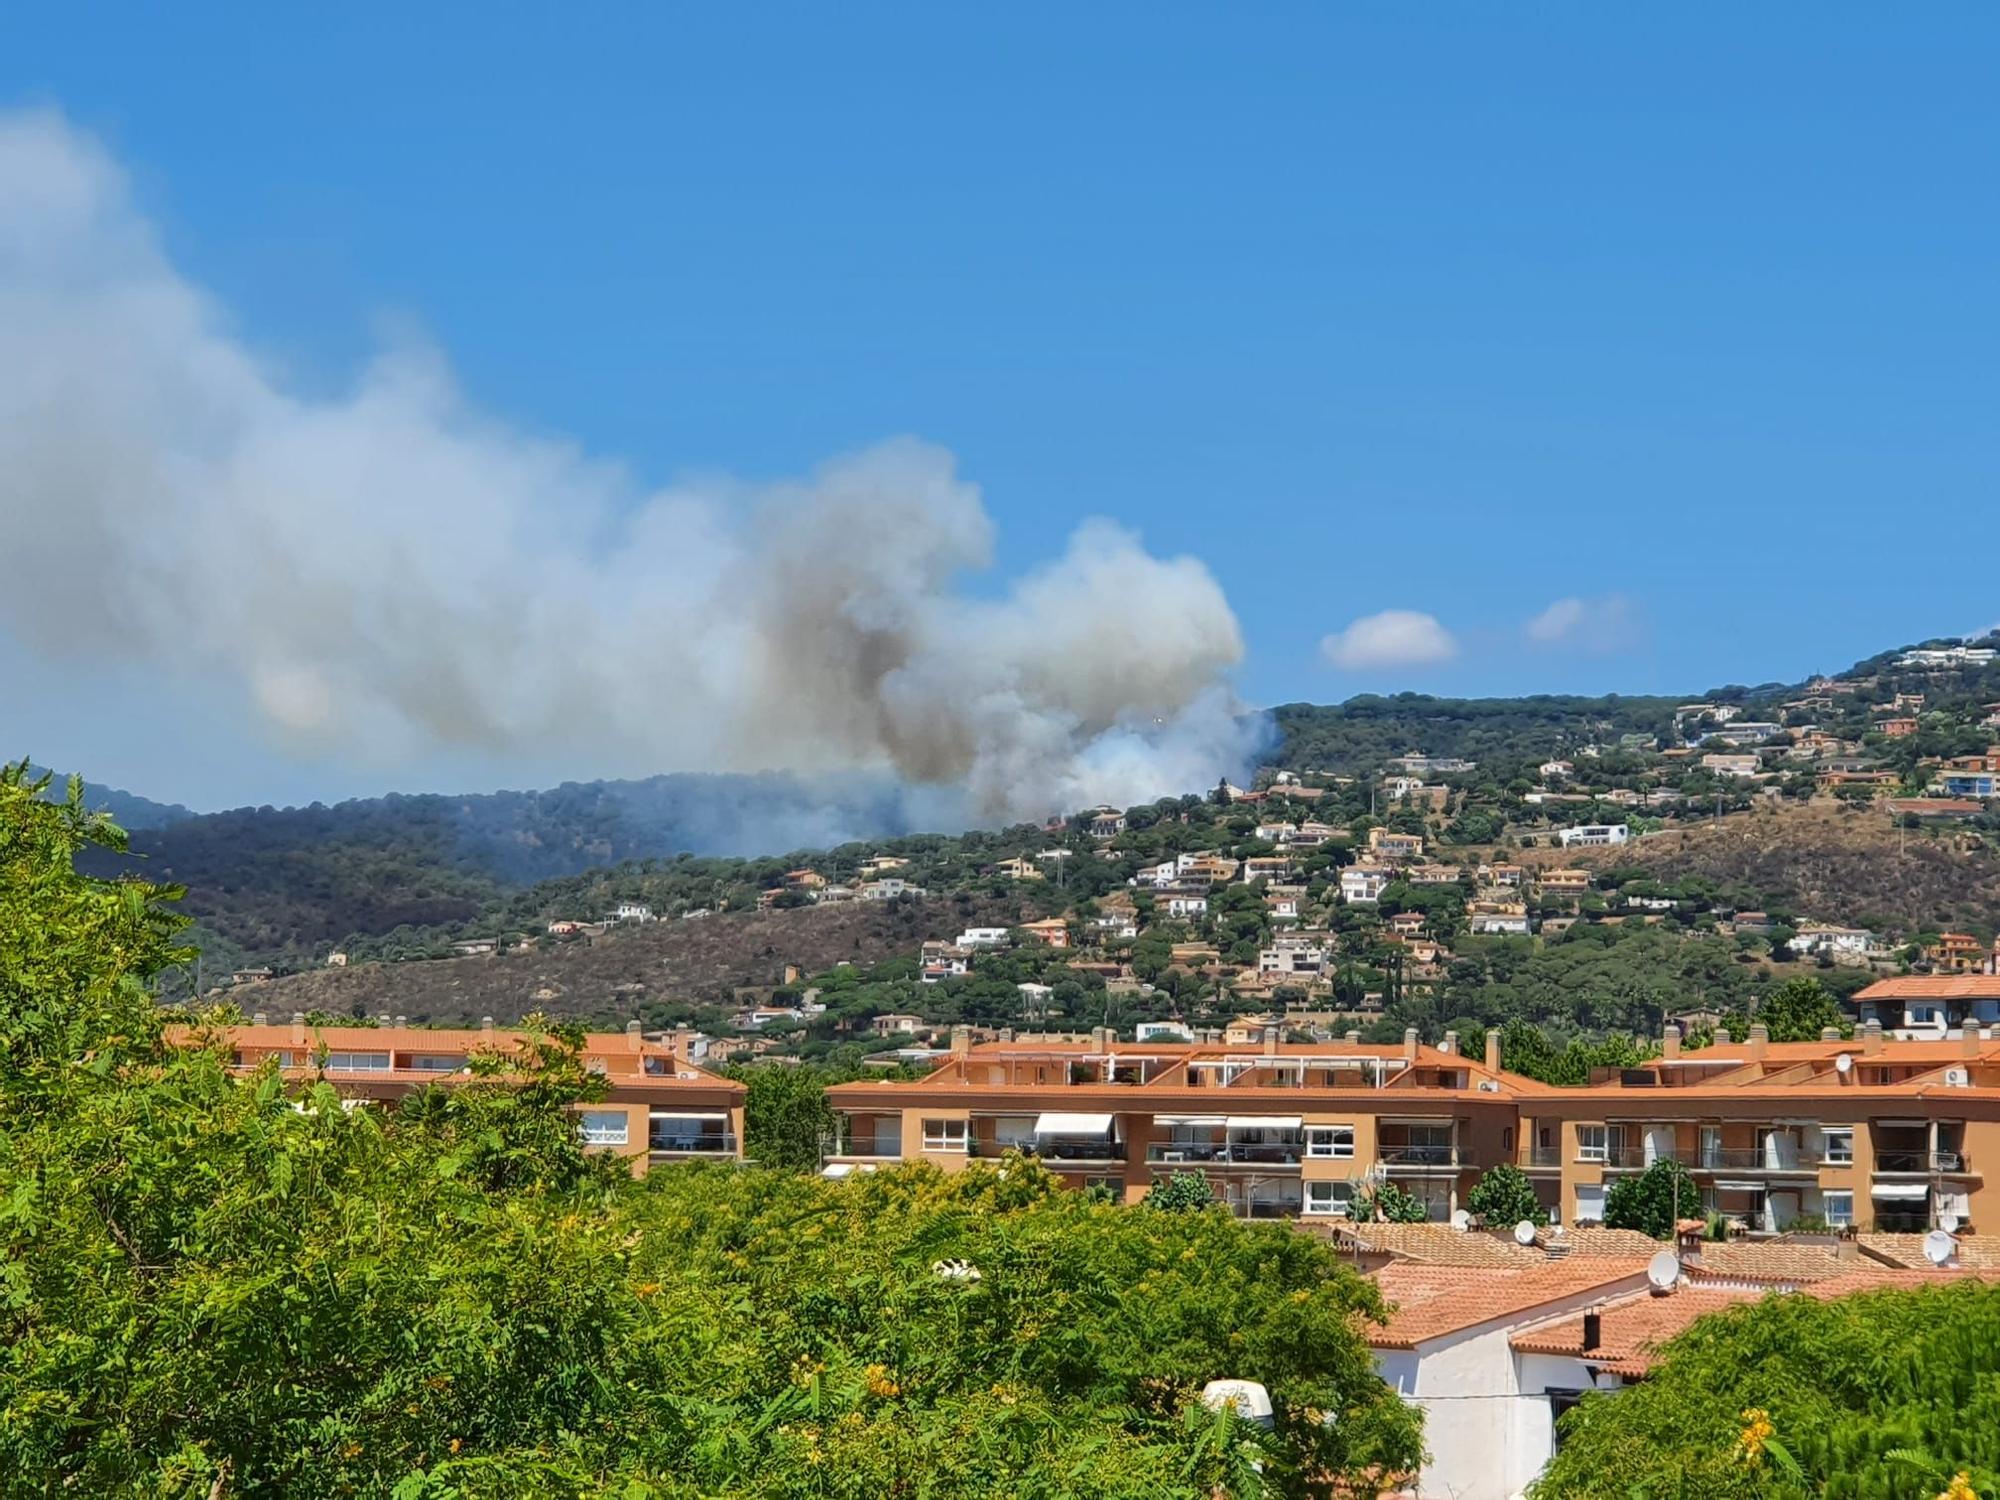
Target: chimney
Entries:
(1006, 1033)
(1450, 1043)
(1829, 1033)
(1969, 1041)
(1722, 1036)
(1270, 1041)
(678, 1042)
(632, 1038)
(383, 1018)
(1492, 1049)
(1670, 1042)
(1410, 1043)
(486, 1024)
(1760, 1036)
(261, 1018)
(401, 1022)
(1593, 1331)
(1353, 1039)
(961, 1041)
(1871, 1036)
(298, 1028)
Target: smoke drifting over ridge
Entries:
(389, 571)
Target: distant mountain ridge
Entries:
(129, 810)
(274, 883)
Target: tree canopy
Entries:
(217, 1285)
(1888, 1395)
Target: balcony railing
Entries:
(1716, 1159)
(1265, 1209)
(1545, 1156)
(714, 1143)
(1226, 1155)
(1922, 1161)
(1076, 1150)
(1418, 1156)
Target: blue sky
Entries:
(1460, 311)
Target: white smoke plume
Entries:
(388, 568)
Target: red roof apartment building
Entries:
(1874, 1133)
(657, 1107)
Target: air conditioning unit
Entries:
(1958, 1078)
(1489, 1085)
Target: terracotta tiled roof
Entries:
(1631, 1327)
(1590, 1239)
(1933, 987)
(1979, 1252)
(1771, 1260)
(1437, 1245)
(1431, 1301)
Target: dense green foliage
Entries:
(1799, 1010)
(1180, 1192)
(1883, 1396)
(1504, 1195)
(1653, 1201)
(212, 1286)
(1387, 1203)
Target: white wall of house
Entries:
(1487, 1419)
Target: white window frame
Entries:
(1844, 1219)
(1339, 1196)
(604, 1127)
(946, 1135)
(360, 1062)
(1597, 1149)
(1323, 1142)
(1828, 1136)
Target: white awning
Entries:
(1740, 1187)
(1914, 1192)
(1214, 1122)
(1058, 1124)
(690, 1114)
(837, 1169)
(1265, 1122)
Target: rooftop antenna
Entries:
(1524, 1232)
(1664, 1272)
(1939, 1247)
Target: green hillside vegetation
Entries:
(215, 1288)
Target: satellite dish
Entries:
(1844, 1063)
(1939, 1247)
(1461, 1220)
(1524, 1232)
(1664, 1271)
(1948, 1223)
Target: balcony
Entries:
(1545, 1156)
(1922, 1163)
(1715, 1159)
(1219, 1154)
(1418, 1158)
(1052, 1149)
(708, 1143)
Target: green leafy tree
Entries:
(1504, 1195)
(1180, 1192)
(1861, 1398)
(226, 1285)
(1799, 1009)
(1652, 1201)
(1387, 1203)
(786, 1119)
